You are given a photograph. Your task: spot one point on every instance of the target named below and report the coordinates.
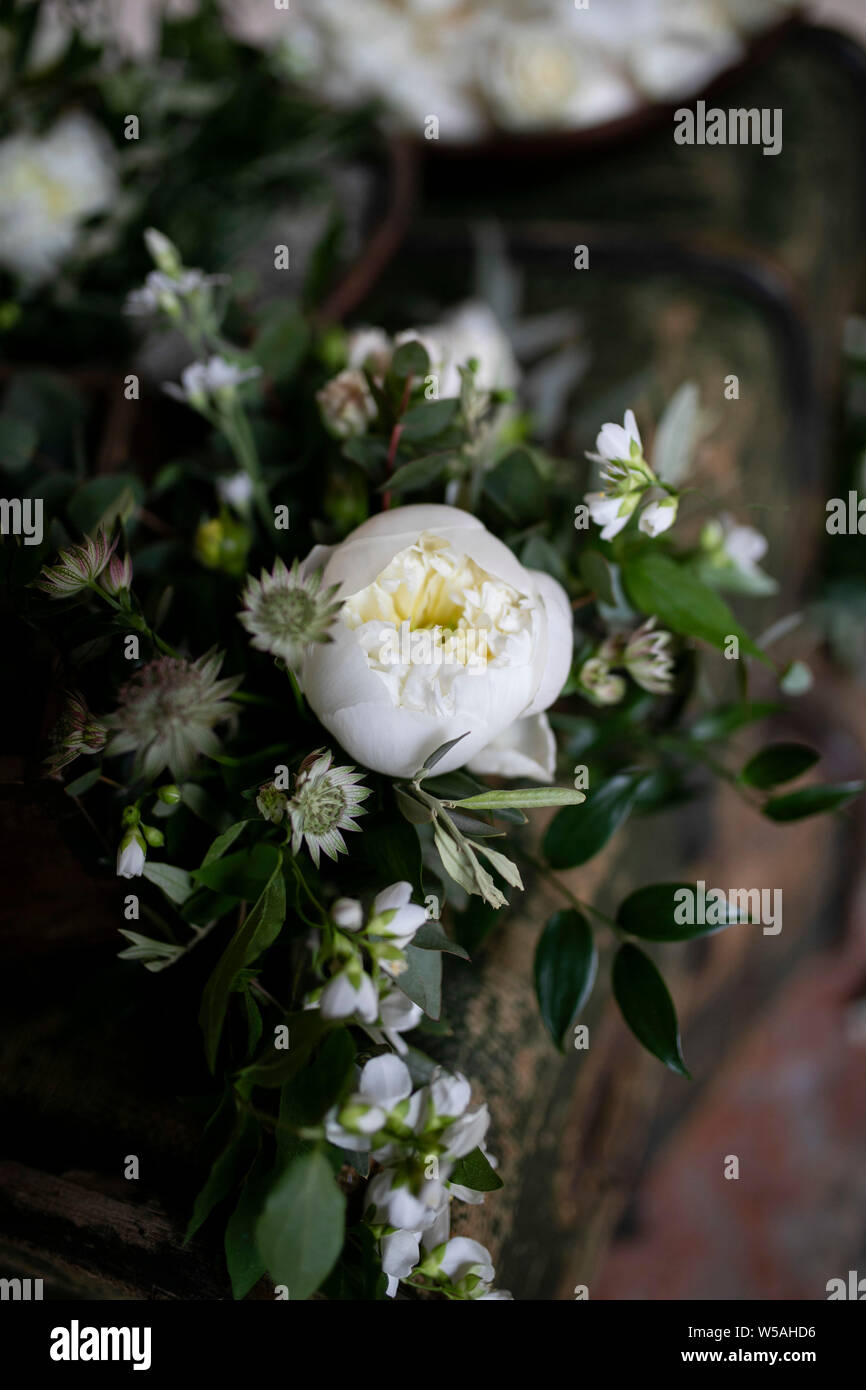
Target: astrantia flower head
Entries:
(116, 578)
(648, 659)
(326, 800)
(77, 568)
(76, 731)
(285, 610)
(600, 683)
(168, 711)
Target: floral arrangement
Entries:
(321, 673)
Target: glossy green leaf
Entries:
(722, 722)
(575, 835)
(657, 585)
(565, 966)
(258, 930)
(780, 762)
(812, 801)
(475, 1172)
(651, 913)
(647, 1007)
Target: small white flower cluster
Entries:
(417, 1136)
(470, 332)
(627, 477)
(367, 958)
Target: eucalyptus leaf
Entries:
(522, 797)
(422, 980)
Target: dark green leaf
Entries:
(319, 1085)
(242, 875)
(424, 422)
(275, 1066)
(439, 753)
(224, 842)
(84, 782)
(230, 1166)
(781, 762)
(651, 913)
(417, 474)
(300, 1231)
(565, 966)
(576, 834)
(647, 1007)
(811, 801)
(245, 1264)
(18, 440)
(474, 1171)
(258, 930)
(595, 571)
(516, 487)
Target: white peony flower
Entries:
(434, 567)
(51, 184)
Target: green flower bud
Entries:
(169, 793)
(154, 837)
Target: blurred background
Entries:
(415, 156)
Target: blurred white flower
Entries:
(51, 184)
(611, 513)
(658, 516)
(130, 856)
(343, 997)
(346, 403)
(203, 383)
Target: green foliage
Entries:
(647, 1007)
(565, 966)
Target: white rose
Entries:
(414, 577)
(546, 75)
(51, 184)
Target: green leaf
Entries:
(410, 359)
(517, 488)
(282, 341)
(317, 1087)
(530, 797)
(475, 1172)
(175, 883)
(439, 753)
(647, 1007)
(300, 1231)
(275, 1066)
(242, 875)
(501, 863)
(415, 811)
(565, 965)
(83, 783)
(102, 500)
(575, 836)
(451, 786)
(657, 585)
(392, 849)
(431, 937)
(417, 474)
(18, 440)
(812, 801)
(245, 1264)
(424, 422)
(259, 929)
(650, 914)
(229, 1167)
(595, 571)
(422, 981)
(224, 842)
(781, 762)
(722, 722)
